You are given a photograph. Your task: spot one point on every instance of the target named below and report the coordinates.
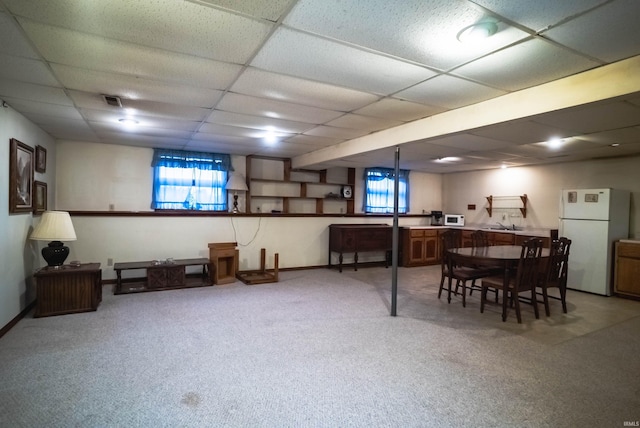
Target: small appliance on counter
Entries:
(436, 218)
(454, 220)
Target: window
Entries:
(378, 190)
(189, 180)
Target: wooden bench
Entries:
(162, 275)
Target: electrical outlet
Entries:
(109, 262)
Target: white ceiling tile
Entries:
(175, 26)
(102, 128)
(615, 31)
(522, 132)
(141, 140)
(231, 131)
(333, 132)
(524, 65)
(28, 91)
(594, 118)
(130, 87)
(397, 109)
(64, 128)
(271, 10)
(423, 31)
(85, 51)
(619, 136)
(302, 55)
(256, 122)
(449, 92)
(95, 101)
(538, 15)
(111, 117)
(313, 140)
(26, 70)
(366, 123)
(470, 142)
(300, 91)
(13, 42)
(238, 103)
(30, 107)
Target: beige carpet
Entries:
(318, 349)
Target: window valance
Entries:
(187, 159)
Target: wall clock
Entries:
(347, 192)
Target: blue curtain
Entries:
(189, 180)
(379, 184)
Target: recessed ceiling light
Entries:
(478, 31)
(448, 159)
(128, 122)
(615, 145)
(555, 142)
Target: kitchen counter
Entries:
(542, 233)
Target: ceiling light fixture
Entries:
(478, 31)
(555, 142)
(128, 122)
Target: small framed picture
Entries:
(41, 159)
(40, 193)
(20, 178)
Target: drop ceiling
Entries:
(329, 79)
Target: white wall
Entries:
(20, 257)
(91, 177)
(542, 184)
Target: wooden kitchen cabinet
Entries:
(501, 238)
(627, 269)
(420, 247)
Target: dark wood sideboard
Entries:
(68, 289)
(359, 238)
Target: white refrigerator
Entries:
(593, 219)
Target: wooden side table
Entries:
(68, 289)
(224, 262)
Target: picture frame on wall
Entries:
(40, 195)
(20, 177)
(41, 159)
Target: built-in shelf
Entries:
(275, 187)
(507, 203)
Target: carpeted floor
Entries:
(319, 349)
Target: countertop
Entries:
(543, 233)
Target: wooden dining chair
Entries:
(459, 274)
(480, 238)
(555, 274)
(526, 278)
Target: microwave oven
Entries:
(453, 220)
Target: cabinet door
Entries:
(467, 242)
(416, 251)
(627, 269)
(431, 253)
(156, 277)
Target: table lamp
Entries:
(54, 226)
(236, 183)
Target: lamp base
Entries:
(55, 254)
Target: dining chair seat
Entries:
(461, 274)
(526, 278)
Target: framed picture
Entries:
(41, 159)
(20, 177)
(40, 195)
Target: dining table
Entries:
(505, 257)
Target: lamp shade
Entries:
(54, 226)
(236, 182)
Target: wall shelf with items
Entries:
(507, 203)
(274, 187)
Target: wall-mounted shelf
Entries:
(275, 187)
(507, 203)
